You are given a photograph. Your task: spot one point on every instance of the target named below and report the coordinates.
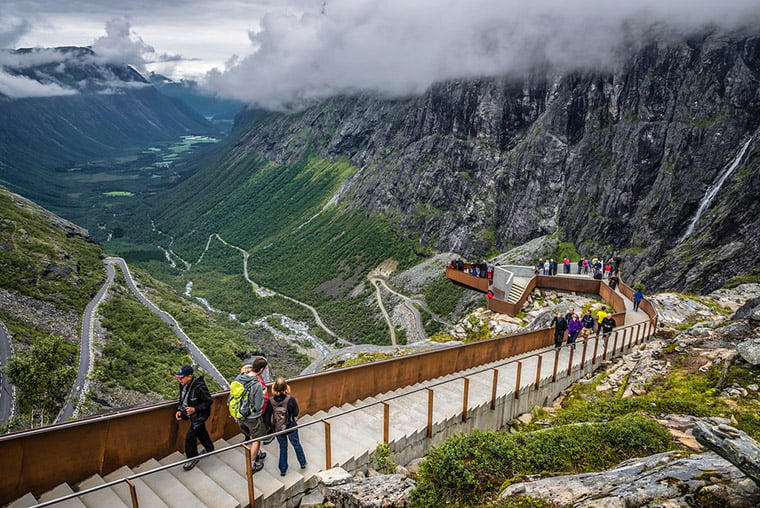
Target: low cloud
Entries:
(399, 47)
(12, 28)
(20, 87)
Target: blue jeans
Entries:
(283, 442)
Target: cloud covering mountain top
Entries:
(400, 47)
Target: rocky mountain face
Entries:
(614, 160)
(70, 108)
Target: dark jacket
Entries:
(561, 323)
(198, 397)
(588, 321)
(608, 324)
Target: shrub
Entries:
(468, 469)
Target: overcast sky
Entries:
(276, 51)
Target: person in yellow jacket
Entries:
(599, 318)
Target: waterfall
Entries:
(713, 190)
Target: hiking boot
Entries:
(262, 455)
(187, 466)
(257, 466)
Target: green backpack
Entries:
(239, 400)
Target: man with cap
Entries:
(194, 405)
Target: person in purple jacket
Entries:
(574, 327)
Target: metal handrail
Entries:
(329, 417)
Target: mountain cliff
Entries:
(614, 160)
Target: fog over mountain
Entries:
(399, 48)
(280, 53)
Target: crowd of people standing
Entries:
(595, 266)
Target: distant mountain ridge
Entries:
(108, 109)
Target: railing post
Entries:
(556, 363)
(570, 361)
(583, 355)
(133, 493)
(493, 388)
(596, 347)
(614, 346)
(386, 422)
(517, 380)
(638, 333)
(465, 397)
(630, 342)
(538, 371)
(430, 413)
(328, 445)
(249, 475)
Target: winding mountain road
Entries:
(410, 303)
(85, 352)
(86, 339)
(7, 390)
(199, 358)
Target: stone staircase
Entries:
(219, 480)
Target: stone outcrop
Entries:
(732, 444)
(638, 482)
(750, 351)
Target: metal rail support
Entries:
(132, 492)
(556, 363)
(465, 398)
(538, 371)
(583, 355)
(328, 445)
(596, 346)
(493, 388)
(249, 475)
(570, 360)
(386, 422)
(517, 380)
(430, 413)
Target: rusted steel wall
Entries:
(468, 280)
(37, 460)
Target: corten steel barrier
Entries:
(468, 280)
(38, 460)
(643, 330)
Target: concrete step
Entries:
(102, 497)
(145, 496)
(200, 484)
(24, 502)
(167, 487)
(263, 481)
(62, 490)
(226, 477)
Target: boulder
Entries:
(733, 445)
(749, 350)
(659, 480)
(746, 310)
(387, 491)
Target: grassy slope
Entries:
(264, 207)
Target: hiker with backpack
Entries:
(246, 404)
(284, 416)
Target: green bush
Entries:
(469, 469)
